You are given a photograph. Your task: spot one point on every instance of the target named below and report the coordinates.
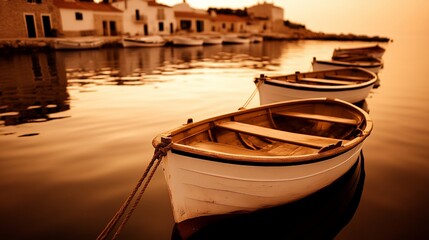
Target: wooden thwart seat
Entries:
(319, 117)
(327, 81)
(346, 77)
(296, 138)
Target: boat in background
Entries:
(235, 39)
(77, 43)
(372, 51)
(187, 41)
(261, 157)
(256, 39)
(369, 63)
(146, 41)
(349, 84)
(211, 39)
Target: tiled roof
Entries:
(155, 4)
(101, 7)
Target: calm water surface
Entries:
(76, 130)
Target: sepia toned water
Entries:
(76, 130)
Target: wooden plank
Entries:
(346, 77)
(327, 81)
(296, 138)
(324, 118)
(227, 148)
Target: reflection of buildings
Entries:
(32, 87)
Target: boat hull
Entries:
(201, 188)
(184, 41)
(77, 44)
(232, 39)
(130, 42)
(270, 92)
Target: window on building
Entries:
(161, 26)
(34, 1)
(79, 16)
(161, 14)
(200, 26)
(137, 14)
(223, 25)
(185, 24)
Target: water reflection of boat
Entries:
(350, 84)
(261, 157)
(321, 215)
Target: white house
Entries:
(270, 17)
(88, 18)
(146, 17)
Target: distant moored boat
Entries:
(372, 51)
(350, 84)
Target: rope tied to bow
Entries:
(258, 83)
(160, 151)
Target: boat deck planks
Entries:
(228, 148)
(301, 139)
(319, 117)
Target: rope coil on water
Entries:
(161, 151)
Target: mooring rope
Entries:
(252, 95)
(160, 151)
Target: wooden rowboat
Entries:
(350, 84)
(373, 51)
(369, 63)
(261, 157)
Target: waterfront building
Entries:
(88, 19)
(191, 20)
(146, 17)
(267, 16)
(28, 19)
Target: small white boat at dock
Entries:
(146, 41)
(77, 43)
